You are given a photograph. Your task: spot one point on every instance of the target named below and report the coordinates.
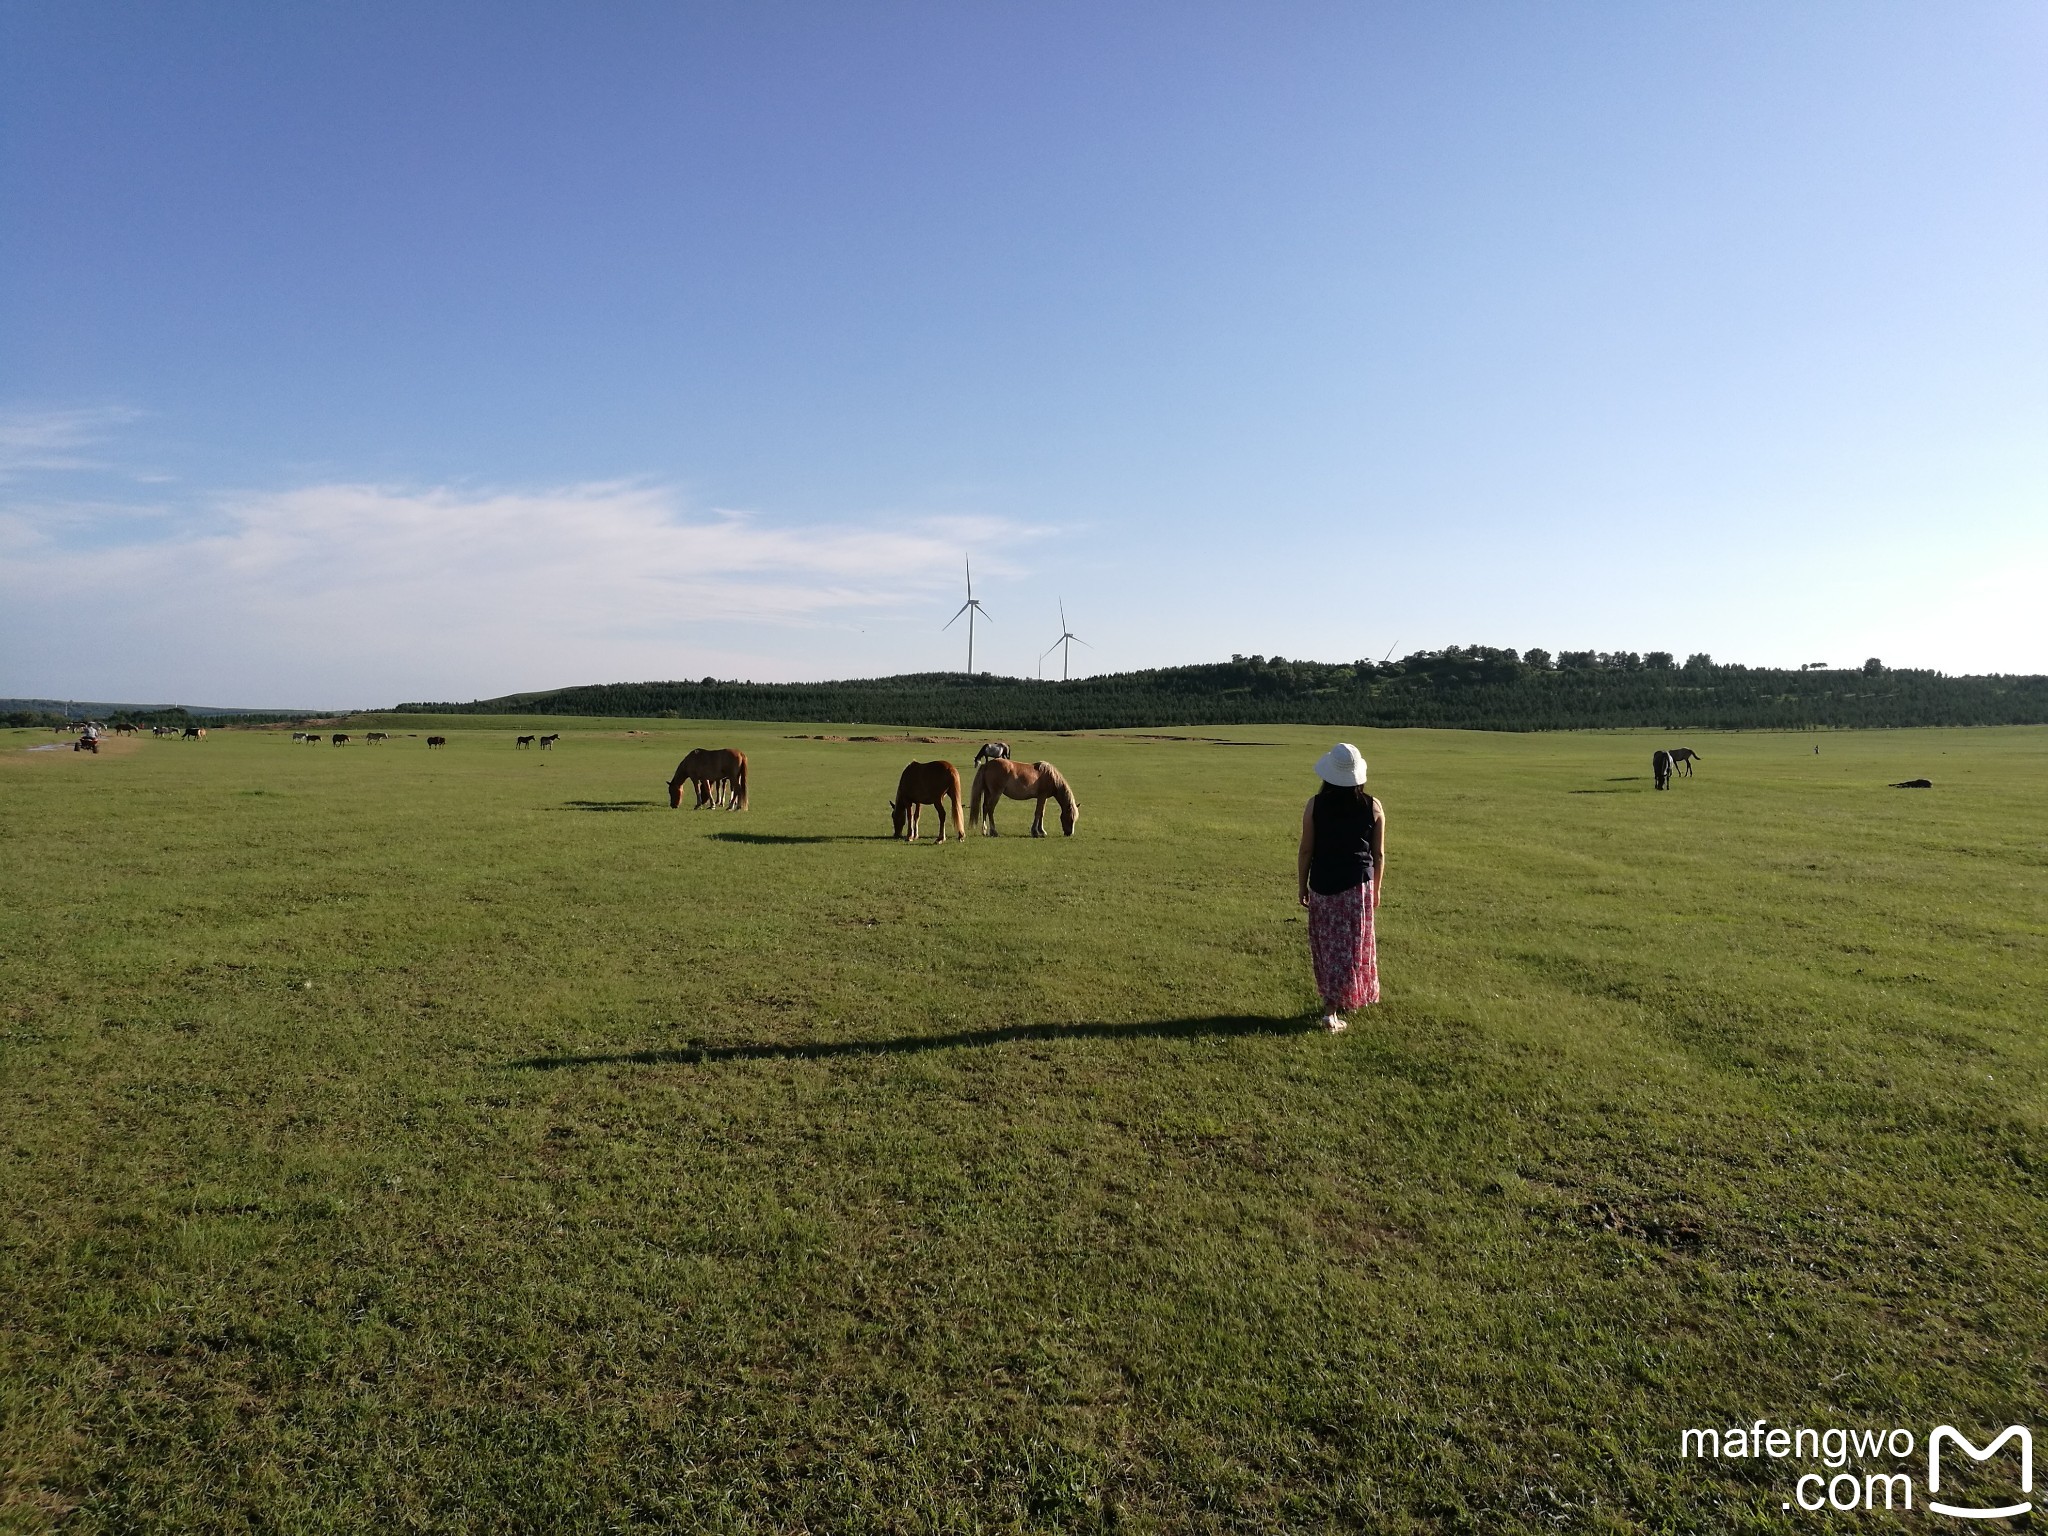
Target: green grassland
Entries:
(463, 1140)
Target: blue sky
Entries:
(358, 353)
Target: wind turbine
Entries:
(1065, 644)
(971, 607)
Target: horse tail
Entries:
(959, 825)
(740, 780)
(980, 794)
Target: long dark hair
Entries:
(1352, 792)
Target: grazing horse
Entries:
(1001, 779)
(925, 784)
(314, 739)
(1682, 759)
(709, 770)
(192, 733)
(378, 736)
(298, 735)
(342, 738)
(1660, 768)
(549, 741)
(991, 749)
(436, 741)
(524, 741)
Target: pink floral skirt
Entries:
(1340, 945)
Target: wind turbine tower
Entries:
(1066, 642)
(971, 608)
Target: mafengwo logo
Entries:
(1949, 1434)
(1865, 1469)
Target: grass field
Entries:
(395, 1140)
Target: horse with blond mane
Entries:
(1001, 779)
(925, 784)
(708, 769)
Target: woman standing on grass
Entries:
(1341, 862)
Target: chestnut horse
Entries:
(1001, 779)
(708, 769)
(925, 784)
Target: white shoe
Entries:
(1334, 1023)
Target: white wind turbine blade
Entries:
(956, 617)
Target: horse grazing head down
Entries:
(1063, 793)
(685, 773)
(899, 813)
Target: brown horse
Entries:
(925, 784)
(708, 769)
(1682, 759)
(1001, 779)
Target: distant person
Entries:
(1339, 867)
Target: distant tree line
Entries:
(172, 715)
(1472, 687)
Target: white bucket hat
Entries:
(1342, 764)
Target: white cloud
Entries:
(363, 593)
(51, 440)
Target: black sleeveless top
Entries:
(1342, 856)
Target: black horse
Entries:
(1683, 758)
(1660, 768)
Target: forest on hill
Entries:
(1473, 687)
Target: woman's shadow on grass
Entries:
(903, 1045)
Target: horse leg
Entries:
(939, 808)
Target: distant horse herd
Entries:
(717, 777)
